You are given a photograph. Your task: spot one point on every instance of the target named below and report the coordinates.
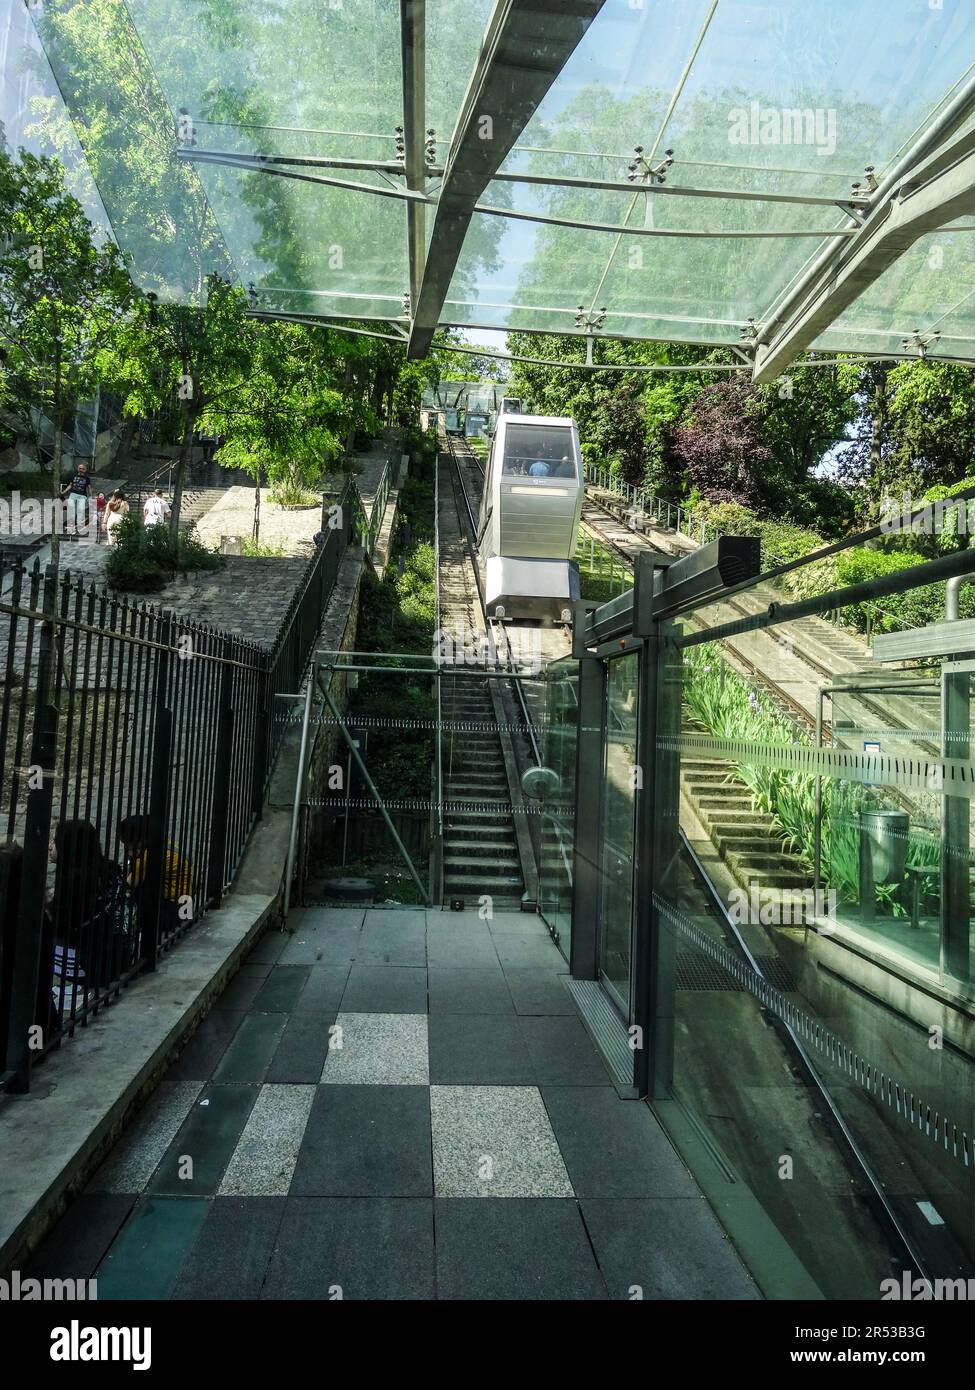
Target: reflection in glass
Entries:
(616, 907)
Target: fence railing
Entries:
(668, 514)
(296, 639)
(371, 520)
(137, 746)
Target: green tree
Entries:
(64, 302)
(175, 352)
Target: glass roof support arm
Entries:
(260, 165)
(929, 197)
(787, 329)
(413, 44)
(847, 205)
(581, 224)
(526, 46)
(250, 160)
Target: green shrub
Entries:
(915, 608)
(260, 549)
(145, 558)
(729, 707)
(293, 492)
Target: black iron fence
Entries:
(137, 746)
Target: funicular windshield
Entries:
(538, 451)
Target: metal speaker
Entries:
(457, 904)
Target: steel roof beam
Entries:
(413, 46)
(930, 143)
(526, 46)
(936, 191)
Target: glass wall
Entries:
(617, 826)
(556, 814)
(817, 1070)
(786, 920)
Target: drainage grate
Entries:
(695, 970)
(606, 1026)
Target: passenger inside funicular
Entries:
(537, 451)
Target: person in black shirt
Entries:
(76, 495)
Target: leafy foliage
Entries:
(145, 559)
(63, 301)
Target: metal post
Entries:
(151, 884)
(657, 953)
(299, 792)
(590, 734)
(955, 829)
(818, 825)
(221, 789)
(26, 984)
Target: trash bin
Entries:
(884, 838)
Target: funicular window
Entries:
(538, 451)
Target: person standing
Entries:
(115, 512)
(76, 495)
(156, 509)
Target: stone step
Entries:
(745, 830)
(751, 824)
(725, 800)
(483, 798)
(486, 848)
(749, 845)
(476, 883)
(481, 781)
(779, 870)
(471, 864)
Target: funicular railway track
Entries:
(480, 840)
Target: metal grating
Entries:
(696, 971)
(606, 1026)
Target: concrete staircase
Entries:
(480, 847)
(750, 842)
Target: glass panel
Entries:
(616, 835)
(928, 291)
(869, 76)
(675, 289)
(157, 207)
(818, 929)
(330, 72)
(455, 29)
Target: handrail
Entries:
(436, 886)
(708, 532)
(669, 514)
(374, 517)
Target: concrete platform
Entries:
(441, 1129)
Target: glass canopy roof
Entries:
(763, 174)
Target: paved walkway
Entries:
(394, 1105)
